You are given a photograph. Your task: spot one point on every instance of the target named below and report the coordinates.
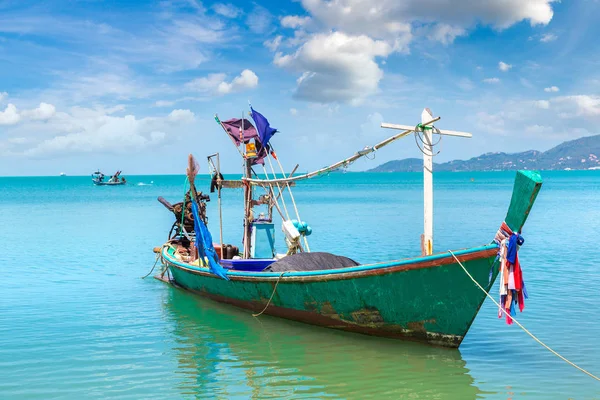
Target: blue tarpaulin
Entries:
(205, 245)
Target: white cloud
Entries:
(543, 104)
(551, 89)
(206, 83)
(84, 130)
(157, 136)
(227, 10)
(538, 129)
(336, 67)
(445, 34)
(43, 112)
(10, 115)
(384, 18)
(246, 80)
(339, 62)
(171, 39)
(259, 20)
(491, 80)
(18, 140)
(216, 83)
(373, 124)
(163, 103)
(294, 21)
(293, 111)
(548, 37)
(577, 106)
(465, 84)
(181, 116)
(504, 67)
(119, 84)
(114, 109)
(273, 44)
(3, 96)
(492, 123)
(200, 32)
(195, 4)
(526, 83)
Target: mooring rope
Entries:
(520, 325)
(154, 266)
(272, 294)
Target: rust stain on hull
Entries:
(369, 316)
(376, 326)
(419, 326)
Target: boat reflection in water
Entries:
(226, 352)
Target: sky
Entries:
(134, 85)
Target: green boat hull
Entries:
(428, 299)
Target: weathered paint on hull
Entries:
(428, 300)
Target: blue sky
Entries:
(134, 85)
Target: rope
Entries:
(154, 266)
(521, 326)
(369, 158)
(287, 214)
(271, 298)
(419, 133)
(293, 201)
(348, 160)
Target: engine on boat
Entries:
(182, 234)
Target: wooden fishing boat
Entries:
(428, 298)
(98, 179)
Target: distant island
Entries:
(578, 154)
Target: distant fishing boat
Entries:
(428, 298)
(63, 174)
(98, 179)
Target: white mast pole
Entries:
(427, 131)
(427, 237)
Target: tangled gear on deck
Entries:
(316, 261)
(182, 240)
(188, 218)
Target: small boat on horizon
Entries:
(431, 298)
(98, 179)
(62, 174)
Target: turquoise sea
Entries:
(78, 322)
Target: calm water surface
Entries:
(76, 320)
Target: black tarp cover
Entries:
(316, 261)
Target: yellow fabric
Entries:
(197, 262)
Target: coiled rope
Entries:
(419, 137)
(520, 325)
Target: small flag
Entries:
(265, 132)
